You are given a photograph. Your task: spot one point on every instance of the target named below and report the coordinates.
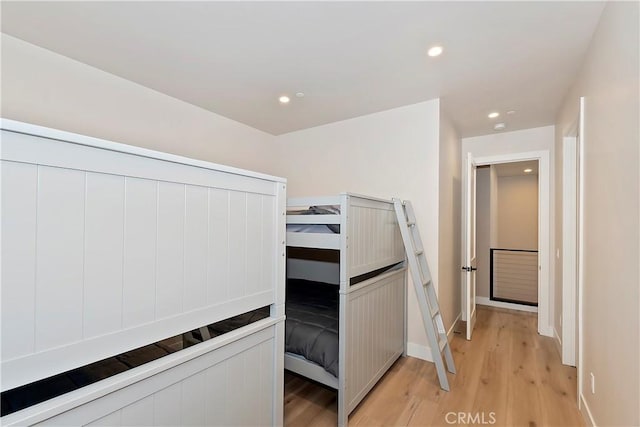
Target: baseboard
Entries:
(419, 351)
(453, 325)
(424, 351)
(486, 301)
(586, 413)
(558, 341)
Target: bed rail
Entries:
(369, 237)
(195, 373)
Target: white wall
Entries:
(483, 230)
(449, 223)
(611, 300)
(493, 207)
(518, 212)
(44, 88)
(392, 153)
(510, 222)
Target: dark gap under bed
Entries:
(39, 391)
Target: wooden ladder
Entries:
(425, 291)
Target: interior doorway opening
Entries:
(507, 235)
(468, 252)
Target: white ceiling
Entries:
(349, 58)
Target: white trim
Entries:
(453, 325)
(545, 302)
(423, 352)
(557, 341)
(511, 306)
(419, 351)
(585, 411)
(314, 240)
(580, 304)
(569, 249)
(469, 243)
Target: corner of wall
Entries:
(449, 220)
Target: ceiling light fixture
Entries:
(510, 112)
(493, 115)
(499, 126)
(299, 94)
(435, 51)
(284, 99)
(528, 170)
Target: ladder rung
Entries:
(442, 341)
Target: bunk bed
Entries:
(138, 287)
(346, 293)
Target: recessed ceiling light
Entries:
(494, 115)
(435, 51)
(499, 126)
(299, 94)
(510, 112)
(528, 170)
(284, 99)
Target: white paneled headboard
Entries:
(107, 247)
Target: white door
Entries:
(469, 245)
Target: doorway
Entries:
(542, 269)
(507, 235)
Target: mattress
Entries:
(311, 328)
(315, 228)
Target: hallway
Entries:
(508, 375)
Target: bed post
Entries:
(277, 309)
(343, 410)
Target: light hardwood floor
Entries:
(507, 369)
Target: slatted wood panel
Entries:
(374, 239)
(375, 334)
(515, 276)
(232, 386)
(101, 257)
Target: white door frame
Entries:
(469, 245)
(569, 248)
(580, 257)
(545, 325)
(572, 244)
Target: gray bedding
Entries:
(315, 228)
(311, 327)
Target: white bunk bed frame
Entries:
(107, 248)
(372, 313)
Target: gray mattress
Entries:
(312, 322)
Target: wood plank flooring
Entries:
(507, 374)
